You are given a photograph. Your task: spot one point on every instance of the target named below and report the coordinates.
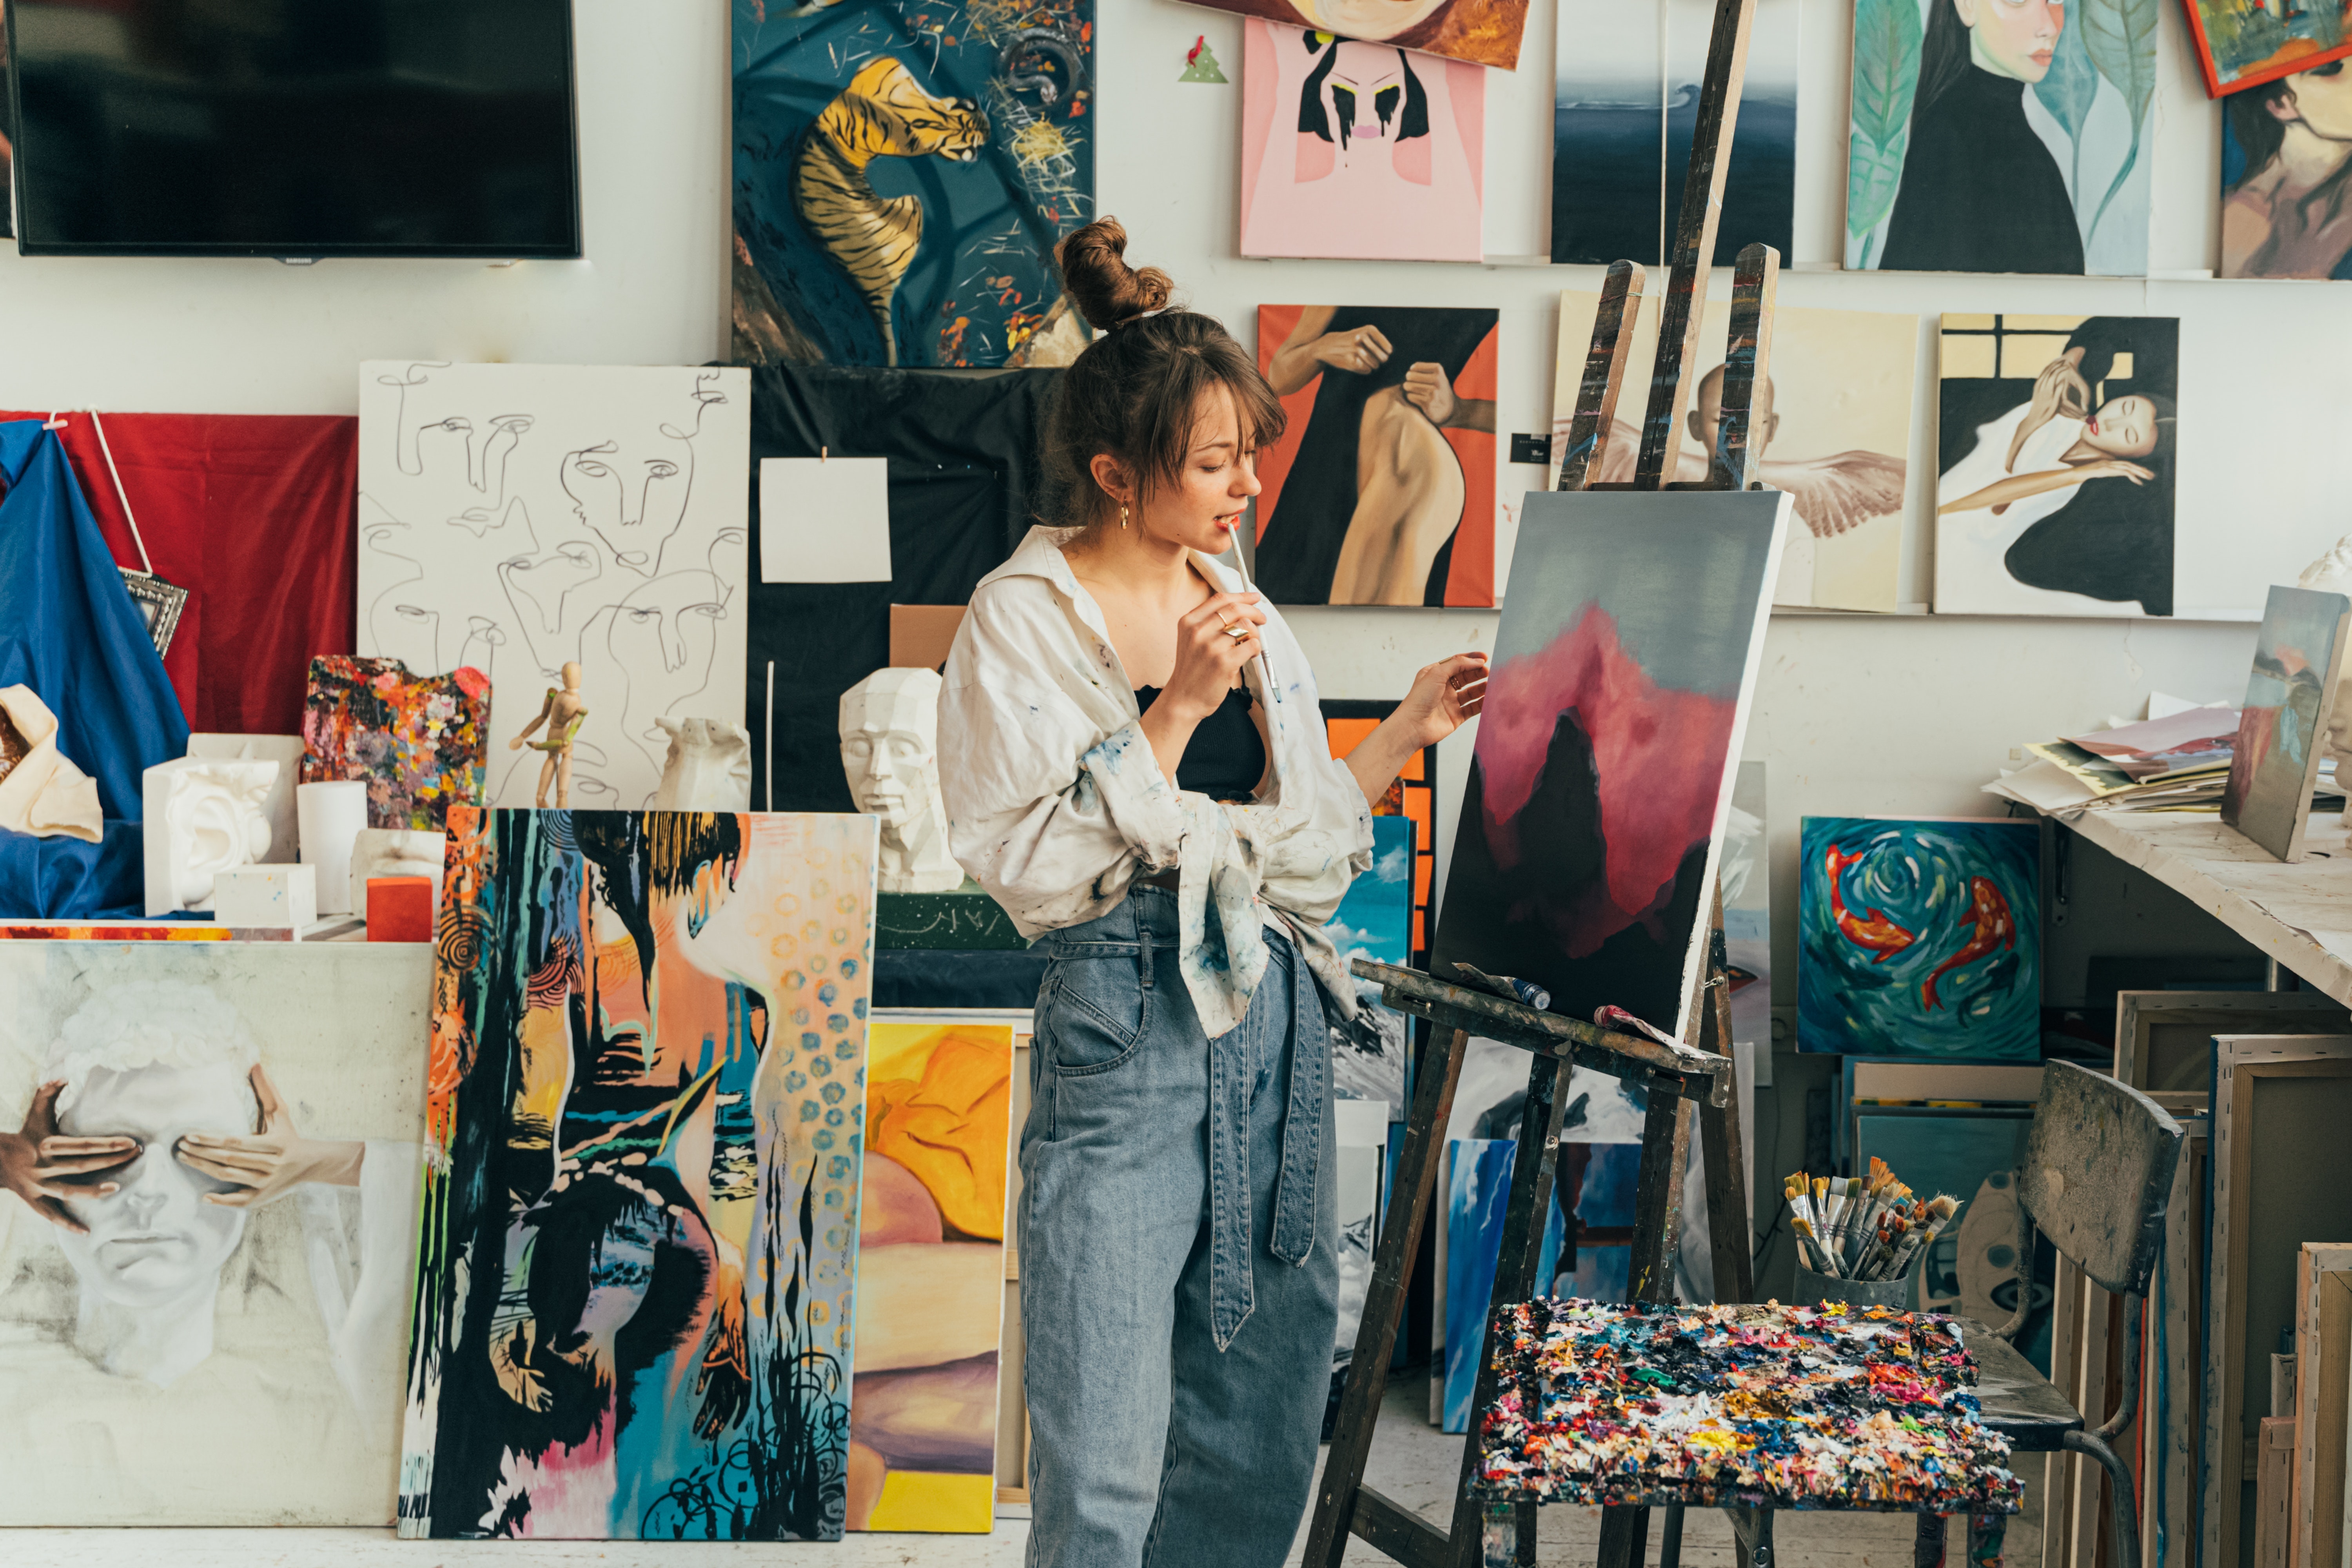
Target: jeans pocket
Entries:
(1095, 1011)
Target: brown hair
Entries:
(1134, 393)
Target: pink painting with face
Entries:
(1358, 150)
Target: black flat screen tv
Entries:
(295, 127)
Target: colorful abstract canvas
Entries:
(156, 931)
(1601, 784)
(2013, 139)
(645, 1115)
(1375, 922)
(2056, 447)
(2243, 43)
(519, 518)
(204, 1291)
(419, 742)
(2287, 169)
(1483, 32)
(1381, 490)
(930, 1277)
(1833, 428)
(901, 176)
(1737, 1406)
(1625, 98)
(1358, 150)
(1919, 937)
(2282, 725)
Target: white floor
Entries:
(1412, 1462)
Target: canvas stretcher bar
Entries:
(1604, 370)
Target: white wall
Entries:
(1906, 714)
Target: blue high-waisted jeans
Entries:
(1178, 1275)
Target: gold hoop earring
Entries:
(1122, 517)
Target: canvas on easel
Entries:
(1601, 784)
(2298, 659)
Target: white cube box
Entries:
(267, 897)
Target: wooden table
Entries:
(2300, 916)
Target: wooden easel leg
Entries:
(1524, 1218)
(1624, 1537)
(1751, 1530)
(1385, 1301)
(1604, 374)
(1729, 1241)
(1657, 1205)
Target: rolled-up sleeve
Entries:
(1048, 814)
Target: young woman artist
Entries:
(1135, 766)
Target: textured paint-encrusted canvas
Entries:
(208, 1175)
(1740, 1405)
(644, 1123)
(419, 742)
(930, 1272)
(1919, 937)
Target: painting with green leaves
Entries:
(2001, 136)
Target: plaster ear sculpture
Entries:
(393, 852)
(2331, 572)
(41, 790)
(203, 816)
(889, 750)
(709, 766)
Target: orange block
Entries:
(400, 909)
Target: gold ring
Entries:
(1236, 633)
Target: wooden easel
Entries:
(1678, 1079)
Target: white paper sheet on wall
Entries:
(825, 520)
(515, 517)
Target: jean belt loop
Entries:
(1143, 952)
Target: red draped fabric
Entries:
(255, 516)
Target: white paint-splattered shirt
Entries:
(1056, 803)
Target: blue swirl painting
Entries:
(1919, 938)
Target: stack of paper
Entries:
(2178, 763)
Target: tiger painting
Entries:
(882, 113)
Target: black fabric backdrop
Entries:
(965, 486)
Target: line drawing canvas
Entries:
(1601, 784)
(1381, 490)
(516, 518)
(1834, 434)
(218, 1341)
(901, 175)
(2001, 138)
(2057, 446)
(1358, 150)
(647, 1100)
(1626, 95)
(2282, 725)
(930, 1271)
(1919, 937)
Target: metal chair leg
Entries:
(2127, 1509)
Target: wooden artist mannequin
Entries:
(561, 713)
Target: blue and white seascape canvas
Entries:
(1919, 937)
(1375, 922)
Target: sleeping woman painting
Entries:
(1981, 191)
(2064, 504)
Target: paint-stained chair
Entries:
(2095, 1179)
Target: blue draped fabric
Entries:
(69, 630)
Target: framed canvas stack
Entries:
(2323, 1367)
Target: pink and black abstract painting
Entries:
(1602, 778)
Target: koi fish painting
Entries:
(645, 1117)
(1594, 821)
(1919, 937)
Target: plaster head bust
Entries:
(2331, 572)
(205, 816)
(709, 767)
(394, 852)
(153, 1062)
(889, 728)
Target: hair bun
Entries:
(1105, 289)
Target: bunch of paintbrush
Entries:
(1863, 1228)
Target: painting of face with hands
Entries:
(208, 1215)
(1381, 489)
(523, 518)
(1358, 150)
(633, 1288)
(2057, 437)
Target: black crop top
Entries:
(1226, 756)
